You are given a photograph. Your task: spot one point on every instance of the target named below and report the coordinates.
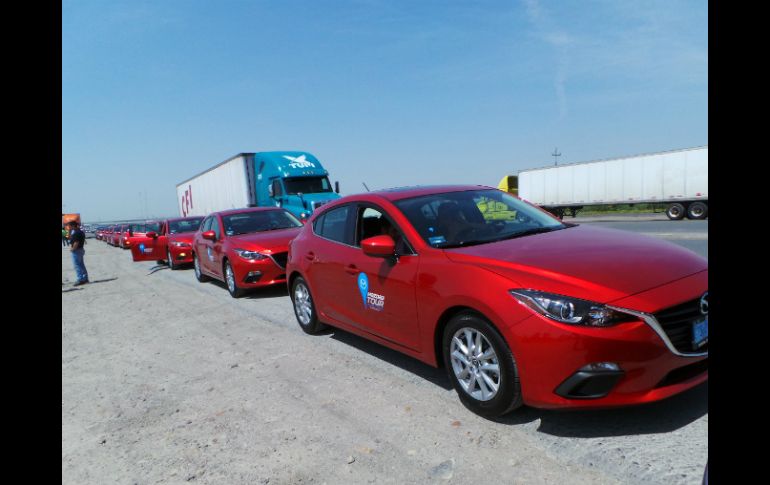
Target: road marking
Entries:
(681, 235)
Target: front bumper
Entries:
(180, 255)
(551, 355)
(257, 274)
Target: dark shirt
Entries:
(78, 236)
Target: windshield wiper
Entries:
(535, 230)
(461, 244)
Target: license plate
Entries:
(700, 333)
(147, 250)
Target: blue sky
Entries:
(389, 93)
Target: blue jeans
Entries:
(80, 267)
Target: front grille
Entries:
(677, 322)
(280, 258)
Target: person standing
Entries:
(65, 237)
(77, 240)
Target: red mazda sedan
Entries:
(245, 248)
(169, 240)
(519, 307)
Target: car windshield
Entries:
(307, 185)
(185, 225)
(456, 219)
(258, 221)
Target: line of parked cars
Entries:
(521, 309)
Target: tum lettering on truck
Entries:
(187, 201)
(299, 162)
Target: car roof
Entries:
(246, 209)
(398, 193)
(175, 219)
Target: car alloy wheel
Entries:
(198, 273)
(302, 304)
(232, 287)
(480, 365)
(475, 364)
(170, 260)
(304, 309)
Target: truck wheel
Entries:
(481, 366)
(304, 309)
(198, 274)
(232, 285)
(697, 210)
(675, 211)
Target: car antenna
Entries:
(367, 188)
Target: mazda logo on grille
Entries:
(704, 304)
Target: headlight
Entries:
(570, 310)
(180, 244)
(250, 255)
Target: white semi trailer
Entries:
(678, 178)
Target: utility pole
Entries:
(554, 155)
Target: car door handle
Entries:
(310, 256)
(351, 269)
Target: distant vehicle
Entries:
(118, 234)
(295, 181)
(172, 242)
(504, 305)
(678, 178)
(67, 218)
(245, 248)
(136, 231)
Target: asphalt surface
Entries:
(167, 380)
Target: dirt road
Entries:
(167, 380)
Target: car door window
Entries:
(206, 226)
(333, 225)
(215, 227)
(374, 222)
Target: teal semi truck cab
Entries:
(293, 180)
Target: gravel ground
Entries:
(166, 380)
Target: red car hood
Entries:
(275, 241)
(588, 262)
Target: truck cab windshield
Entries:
(307, 185)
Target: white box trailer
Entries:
(222, 187)
(678, 178)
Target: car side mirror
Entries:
(152, 234)
(337, 186)
(210, 235)
(379, 246)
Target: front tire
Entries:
(202, 278)
(170, 261)
(304, 309)
(481, 366)
(232, 285)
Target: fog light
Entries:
(181, 255)
(599, 366)
(252, 277)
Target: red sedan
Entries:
(245, 248)
(519, 307)
(169, 240)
